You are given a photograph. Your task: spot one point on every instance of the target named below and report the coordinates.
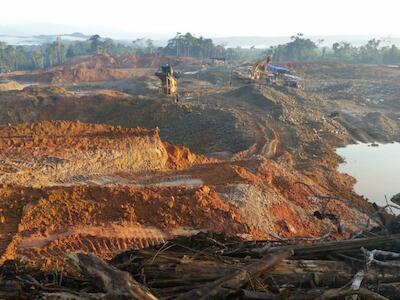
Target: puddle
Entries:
(191, 73)
(377, 169)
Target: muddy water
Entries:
(377, 169)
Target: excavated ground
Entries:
(51, 153)
(10, 86)
(73, 186)
(41, 224)
(267, 170)
(366, 96)
(97, 68)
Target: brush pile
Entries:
(214, 266)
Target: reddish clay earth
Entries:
(104, 189)
(268, 169)
(101, 67)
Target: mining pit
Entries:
(93, 158)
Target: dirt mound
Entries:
(49, 153)
(181, 158)
(343, 71)
(95, 61)
(203, 129)
(44, 223)
(10, 86)
(256, 97)
(153, 61)
(141, 61)
(101, 67)
(97, 68)
(380, 127)
(42, 92)
(81, 73)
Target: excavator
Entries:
(169, 80)
(274, 74)
(260, 68)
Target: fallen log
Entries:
(11, 289)
(344, 246)
(336, 293)
(332, 273)
(166, 270)
(388, 290)
(252, 295)
(228, 284)
(72, 296)
(118, 284)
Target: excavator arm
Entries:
(260, 67)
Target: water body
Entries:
(377, 169)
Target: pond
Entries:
(377, 169)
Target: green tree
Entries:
(95, 43)
(370, 52)
(299, 48)
(391, 55)
(150, 46)
(344, 51)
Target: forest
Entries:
(300, 48)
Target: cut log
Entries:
(344, 246)
(11, 289)
(228, 284)
(72, 296)
(118, 284)
(338, 293)
(298, 272)
(251, 295)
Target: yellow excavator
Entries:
(169, 80)
(260, 68)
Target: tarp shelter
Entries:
(278, 69)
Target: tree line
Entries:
(304, 49)
(31, 57)
(13, 58)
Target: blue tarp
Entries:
(278, 69)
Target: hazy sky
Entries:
(212, 17)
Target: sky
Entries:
(212, 18)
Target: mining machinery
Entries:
(283, 76)
(260, 68)
(168, 80)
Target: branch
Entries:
(118, 284)
(370, 256)
(224, 286)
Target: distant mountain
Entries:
(37, 29)
(41, 39)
